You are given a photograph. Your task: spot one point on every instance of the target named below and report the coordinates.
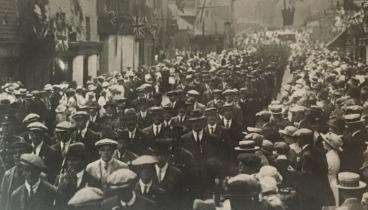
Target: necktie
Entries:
(159, 175)
(105, 167)
(227, 123)
(155, 130)
(31, 193)
(145, 191)
(211, 130)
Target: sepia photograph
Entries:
(183, 104)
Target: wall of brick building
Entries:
(9, 40)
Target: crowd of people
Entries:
(197, 132)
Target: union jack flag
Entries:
(139, 27)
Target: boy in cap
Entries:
(73, 178)
(13, 177)
(99, 170)
(121, 184)
(35, 193)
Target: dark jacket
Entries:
(89, 141)
(11, 181)
(141, 203)
(313, 185)
(66, 189)
(136, 145)
(41, 200)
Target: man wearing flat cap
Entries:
(313, 185)
(74, 176)
(41, 148)
(13, 177)
(145, 167)
(34, 193)
(85, 135)
(99, 170)
(63, 131)
(121, 184)
(133, 138)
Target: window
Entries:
(88, 29)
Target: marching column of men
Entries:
(144, 141)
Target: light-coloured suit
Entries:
(95, 173)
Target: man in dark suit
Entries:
(13, 177)
(37, 132)
(156, 130)
(74, 178)
(213, 127)
(62, 132)
(85, 135)
(232, 130)
(94, 117)
(167, 176)
(202, 146)
(35, 193)
(132, 137)
(313, 186)
(144, 119)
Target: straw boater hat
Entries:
(350, 181)
(247, 146)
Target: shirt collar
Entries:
(200, 134)
(163, 169)
(33, 187)
(132, 133)
(38, 148)
(212, 126)
(80, 174)
(84, 131)
(130, 202)
(143, 185)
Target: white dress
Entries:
(333, 161)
